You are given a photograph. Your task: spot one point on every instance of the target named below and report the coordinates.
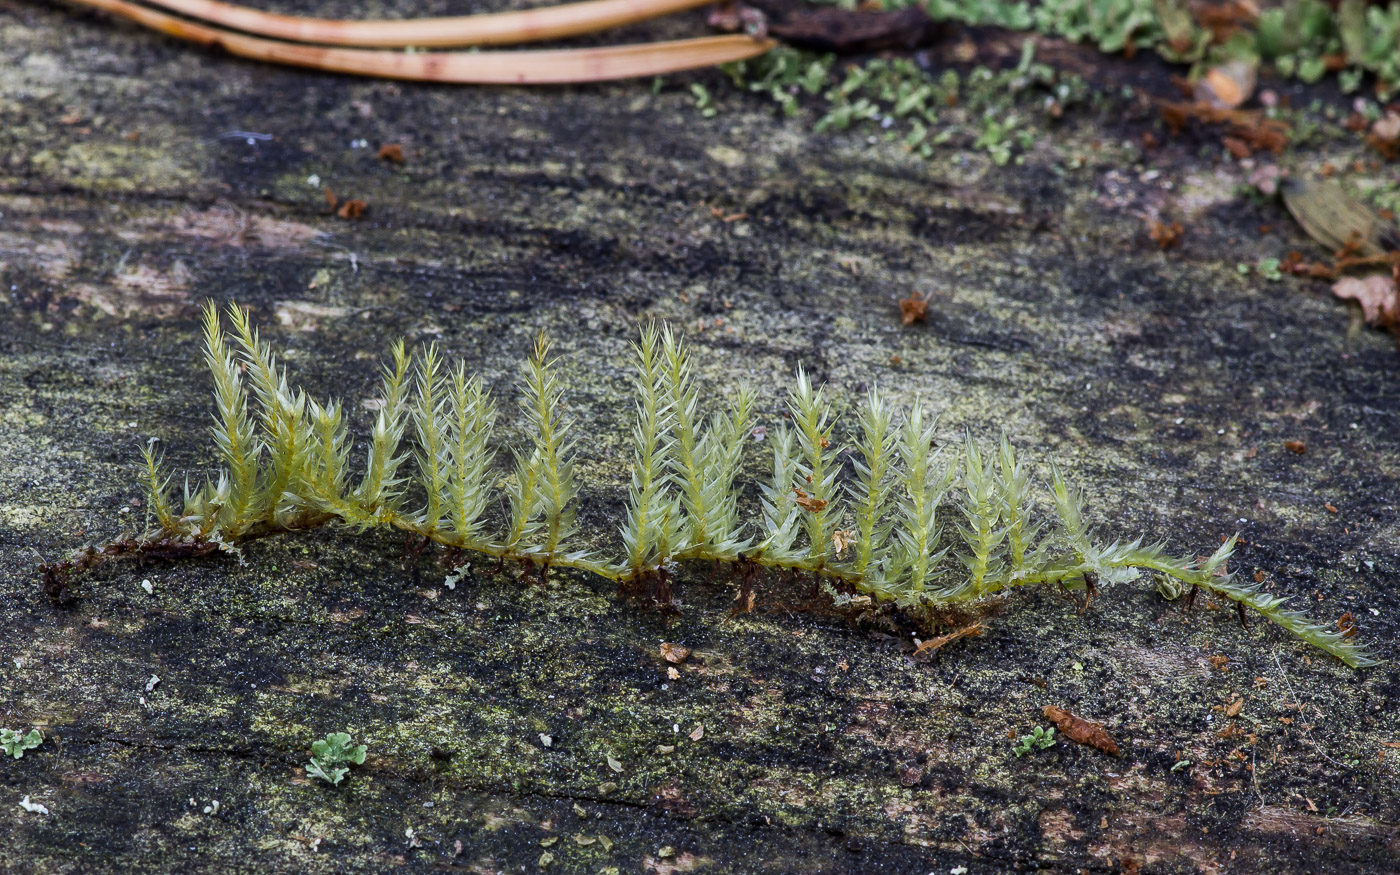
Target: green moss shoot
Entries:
(917, 526)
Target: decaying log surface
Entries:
(1165, 383)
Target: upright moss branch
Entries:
(158, 492)
(429, 413)
(982, 511)
(238, 445)
(378, 494)
(915, 554)
(721, 453)
(816, 489)
(649, 534)
(543, 496)
(281, 413)
(472, 421)
(873, 483)
(780, 519)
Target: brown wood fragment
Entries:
(1081, 731)
(352, 209)
(848, 32)
(674, 652)
(1163, 234)
(1346, 624)
(913, 309)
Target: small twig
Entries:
(970, 631)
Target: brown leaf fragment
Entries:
(331, 200)
(913, 309)
(1226, 86)
(1295, 447)
(841, 539)
(1377, 294)
(1163, 234)
(1385, 136)
(1081, 731)
(1346, 624)
(674, 652)
(352, 209)
(1237, 147)
(1265, 178)
(1234, 708)
(392, 152)
(698, 732)
(806, 502)
(1337, 220)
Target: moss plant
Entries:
(883, 535)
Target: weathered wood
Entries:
(1165, 383)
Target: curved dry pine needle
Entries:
(555, 66)
(493, 29)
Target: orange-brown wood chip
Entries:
(1081, 731)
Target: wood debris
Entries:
(1385, 136)
(913, 309)
(1250, 129)
(829, 29)
(1226, 86)
(1378, 295)
(1346, 624)
(1163, 234)
(352, 209)
(674, 653)
(1081, 731)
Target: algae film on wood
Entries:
(918, 527)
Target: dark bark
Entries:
(1164, 383)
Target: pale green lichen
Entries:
(15, 743)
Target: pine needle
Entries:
(543, 67)
(499, 28)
